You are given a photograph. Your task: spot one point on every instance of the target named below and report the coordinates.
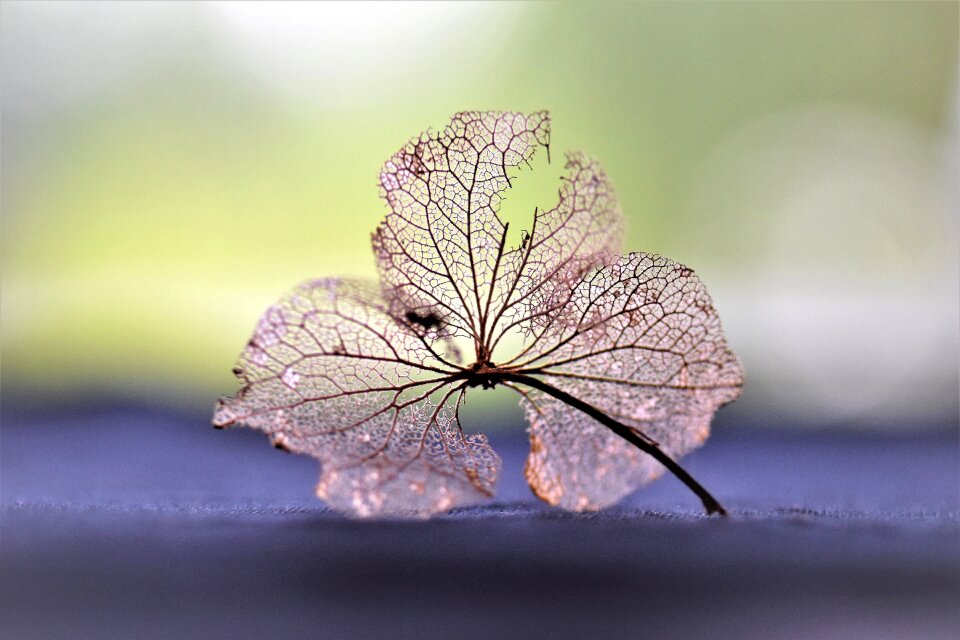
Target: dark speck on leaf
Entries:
(428, 321)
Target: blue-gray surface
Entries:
(137, 523)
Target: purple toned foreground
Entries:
(132, 523)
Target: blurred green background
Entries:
(169, 169)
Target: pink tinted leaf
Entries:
(583, 230)
(639, 340)
(623, 366)
(439, 248)
(330, 373)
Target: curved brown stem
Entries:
(638, 440)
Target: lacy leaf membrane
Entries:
(329, 372)
(369, 379)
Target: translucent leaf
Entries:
(582, 231)
(440, 248)
(623, 366)
(639, 340)
(330, 373)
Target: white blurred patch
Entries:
(845, 301)
(58, 53)
(347, 53)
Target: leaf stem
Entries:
(632, 436)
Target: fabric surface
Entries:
(141, 523)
